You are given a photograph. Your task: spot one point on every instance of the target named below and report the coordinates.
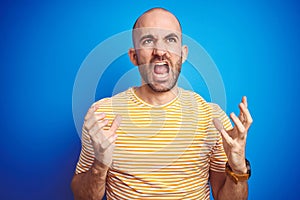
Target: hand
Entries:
(234, 140)
(103, 141)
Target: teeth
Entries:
(161, 63)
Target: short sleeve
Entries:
(86, 158)
(218, 157)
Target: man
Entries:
(158, 141)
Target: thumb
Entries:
(116, 123)
(218, 124)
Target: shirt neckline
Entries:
(132, 91)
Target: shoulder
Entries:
(218, 112)
(213, 108)
(191, 95)
(216, 109)
(187, 94)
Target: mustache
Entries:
(160, 58)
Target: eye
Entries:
(172, 40)
(148, 42)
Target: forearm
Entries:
(91, 184)
(232, 191)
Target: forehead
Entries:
(155, 32)
(159, 19)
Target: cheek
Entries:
(176, 61)
(145, 54)
(175, 50)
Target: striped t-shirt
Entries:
(162, 152)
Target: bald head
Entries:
(154, 18)
(158, 49)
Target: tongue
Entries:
(160, 69)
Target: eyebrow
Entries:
(149, 36)
(172, 35)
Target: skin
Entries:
(158, 40)
(234, 142)
(91, 184)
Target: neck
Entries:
(145, 93)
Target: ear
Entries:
(185, 51)
(133, 57)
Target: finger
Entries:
(220, 128)
(116, 123)
(239, 125)
(241, 115)
(248, 118)
(96, 117)
(91, 110)
(96, 105)
(96, 130)
(218, 124)
(244, 101)
(89, 113)
(100, 139)
(109, 141)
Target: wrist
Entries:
(240, 170)
(99, 169)
(238, 175)
(103, 159)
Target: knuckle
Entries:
(230, 143)
(96, 104)
(100, 125)
(86, 127)
(111, 140)
(242, 129)
(101, 148)
(95, 130)
(86, 117)
(98, 117)
(250, 121)
(91, 134)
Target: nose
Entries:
(159, 50)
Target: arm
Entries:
(234, 142)
(90, 184)
(99, 145)
(223, 187)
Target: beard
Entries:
(147, 71)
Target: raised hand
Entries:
(103, 141)
(234, 140)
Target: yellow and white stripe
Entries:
(162, 152)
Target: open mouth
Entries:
(161, 69)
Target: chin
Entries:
(159, 88)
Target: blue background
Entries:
(43, 43)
